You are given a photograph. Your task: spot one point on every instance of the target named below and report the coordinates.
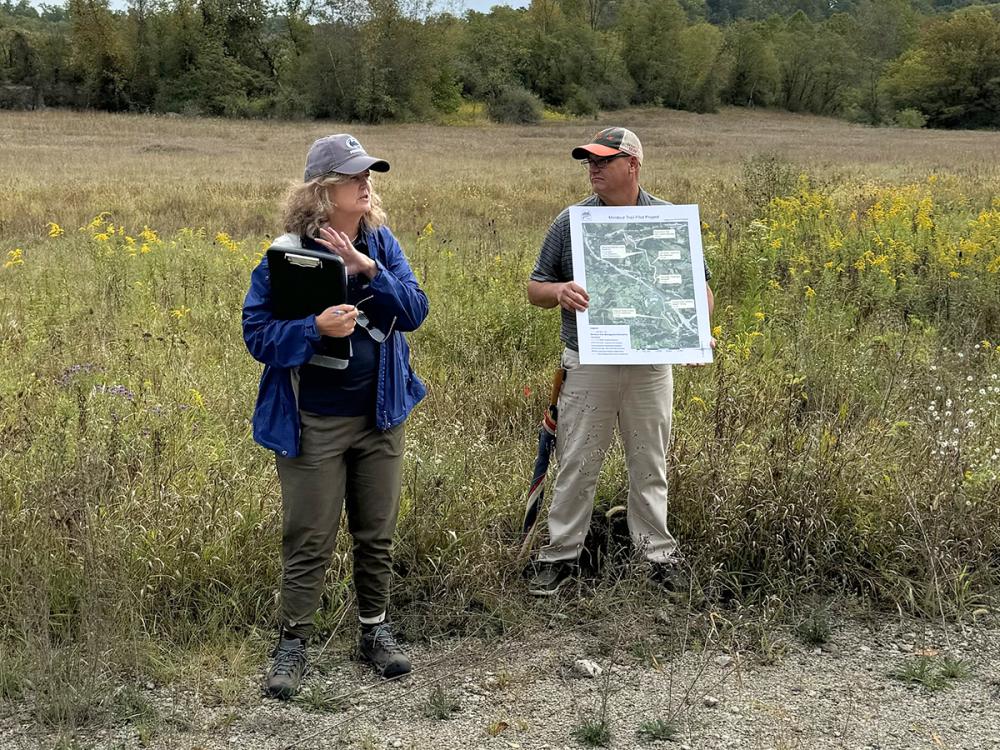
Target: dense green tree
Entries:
(378, 60)
(572, 64)
(98, 56)
(884, 29)
(817, 66)
(651, 31)
(753, 72)
(142, 75)
(494, 52)
(701, 70)
(323, 72)
(952, 75)
(596, 14)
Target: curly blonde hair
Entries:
(307, 206)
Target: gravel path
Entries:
(529, 693)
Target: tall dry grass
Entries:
(847, 438)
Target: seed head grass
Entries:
(846, 438)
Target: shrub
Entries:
(582, 103)
(515, 105)
(910, 118)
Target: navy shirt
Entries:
(349, 392)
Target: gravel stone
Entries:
(587, 668)
(803, 700)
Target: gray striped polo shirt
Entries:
(555, 261)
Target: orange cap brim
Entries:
(580, 152)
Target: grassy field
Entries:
(846, 440)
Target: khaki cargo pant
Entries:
(343, 460)
(594, 398)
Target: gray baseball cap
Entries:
(340, 153)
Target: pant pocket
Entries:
(570, 360)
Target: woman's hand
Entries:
(337, 321)
(339, 243)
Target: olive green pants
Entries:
(343, 461)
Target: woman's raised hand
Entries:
(340, 244)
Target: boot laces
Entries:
(382, 637)
(288, 660)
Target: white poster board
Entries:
(644, 270)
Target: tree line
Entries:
(907, 62)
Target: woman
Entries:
(337, 433)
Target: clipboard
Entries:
(304, 282)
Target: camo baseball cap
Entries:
(609, 142)
(340, 153)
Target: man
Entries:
(595, 397)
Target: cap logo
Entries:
(352, 142)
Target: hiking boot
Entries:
(380, 648)
(549, 576)
(288, 665)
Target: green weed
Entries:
(593, 733)
(440, 704)
(658, 729)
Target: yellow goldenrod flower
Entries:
(148, 235)
(180, 312)
(227, 242)
(759, 315)
(96, 222)
(810, 292)
(55, 230)
(923, 217)
(14, 258)
(196, 399)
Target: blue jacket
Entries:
(286, 344)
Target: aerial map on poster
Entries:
(643, 268)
